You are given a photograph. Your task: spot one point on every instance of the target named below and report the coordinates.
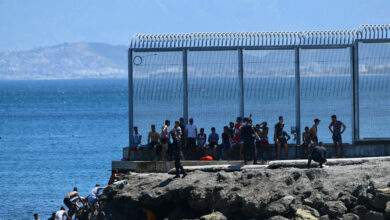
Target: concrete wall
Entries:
(362, 148)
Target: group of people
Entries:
(250, 141)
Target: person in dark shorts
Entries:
(248, 136)
(335, 129)
(318, 155)
(314, 130)
(213, 141)
(227, 143)
(164, 138)
(191, 133)
(182, 125)
(264, 140)
(176, 135)
(153, 141)
(280, 138)
(201, 142)
(306, 139)
(72, 206)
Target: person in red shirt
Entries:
(237, 138)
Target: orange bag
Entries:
(206, 158)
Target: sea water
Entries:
(64, 133)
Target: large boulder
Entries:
(279, 207)
(302, 214)
(335, 208)
(372, 215)
(382, 196)
(387, 211)
(278, 217)
(360, 210)
(351, 216)
(214, 216)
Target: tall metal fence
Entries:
(215, 77)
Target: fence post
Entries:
(297, 100)
(131, 107)
(355, 91)
(185, 86)
(241, 81)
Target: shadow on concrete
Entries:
(164, 183)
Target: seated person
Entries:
(115, 176)
(136, 140)
(318, 155)
(306, 138)
(213, 141)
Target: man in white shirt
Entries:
(191, 132)
(61, 213)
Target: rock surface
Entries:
(336, 192)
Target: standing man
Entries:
(239, 143)
(60, 214)
(280, 138)
(177, 141)
(264, 139)
(72, 206)
(164, 140)
(153, 140)
(336, 131)
(36, 217)
(306, 138)
(248, 135)
(314, 130)
(191, 133)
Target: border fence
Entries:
(300, 75)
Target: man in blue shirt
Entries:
(213, 141)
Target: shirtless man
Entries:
(164, 140)
(60, 214)
(153, 139)
(336, 134)
(280, 138)
(72, 206)
(314, 130)
(306, 138)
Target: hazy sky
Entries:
(26, 24)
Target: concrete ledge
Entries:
(229, 166)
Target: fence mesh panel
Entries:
(269, 87)
(326, 83)
(213, 88)
(374, 89)
(158, 89)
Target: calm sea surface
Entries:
(65, 133)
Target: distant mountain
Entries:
(65, 61)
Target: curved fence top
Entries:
(332, 37)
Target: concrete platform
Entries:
(214, 166)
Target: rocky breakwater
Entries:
(360, 191)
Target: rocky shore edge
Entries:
(345, 191)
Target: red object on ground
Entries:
(206, 158)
